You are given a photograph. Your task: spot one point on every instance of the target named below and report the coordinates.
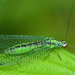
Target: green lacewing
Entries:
(18, 48)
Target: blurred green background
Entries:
(38, 17)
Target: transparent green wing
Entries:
(7, 41)
(22, 37)
(34, 54)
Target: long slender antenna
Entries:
(71, 46)
(68, 23)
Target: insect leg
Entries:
(58, 55)
(48, 54)
(45, 57)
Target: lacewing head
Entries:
(64, 44)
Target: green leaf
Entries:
(54, 64)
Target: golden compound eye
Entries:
(64, 46)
